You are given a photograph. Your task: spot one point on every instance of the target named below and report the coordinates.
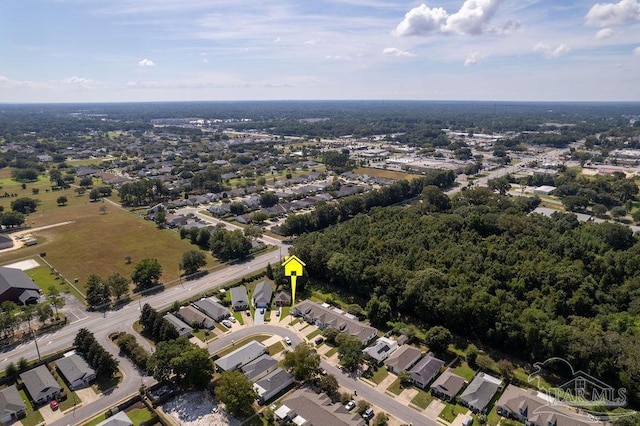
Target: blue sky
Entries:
(175, 50)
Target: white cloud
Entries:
(394, 51)
(472, 18)
(474, 58)
(7, 83)
(551, 52)
(604, 33)
(511, 26)
(146, 63)
(277, 40)
(606, 14)
(636, 51)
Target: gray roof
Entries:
(118, 419)
(273, 382)
(74, 367)
(27, 295)
(241, 356)
(212, 308)
(263, 293)
(16, 280)
(39, 382)
(190, 315)
(10, 401)
(448, 383)
(181, 327)
(480, 391)
(403, 358)
(318, 410)
(334, 318)
(426, 369)
(258, 366)
(239, 296)
(284, 297)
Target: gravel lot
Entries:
(196, 409)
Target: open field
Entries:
(389, 174)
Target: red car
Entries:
(54, 405)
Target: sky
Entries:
(184, 50)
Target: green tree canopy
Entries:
(303, 362)
(146, 273)
(236, 392)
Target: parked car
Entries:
(227, 323)
(350, 405)
(262, 311)
(368, 414)
(278, 313)
(247, 313)
(319, 340)
(54, 405)
(232, 319)
(287, 340)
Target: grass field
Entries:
(379, 375)
(422, 399)
(389, 174)
(462, 369)
(276, 348)
(451, 411)
(331, 352)
(395, 387)
(33, 416)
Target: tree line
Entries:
(96, 356)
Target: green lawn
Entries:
(221, 327)
(313, 334)
(139, 415)
(276, 348)
(422, 399)
(238, 316)
(258, 338)
(395, 387)
(463, 370)
(285, 312)
(71, 396)
(101, 386)
(451, 411)
(331, 352)
(493, 418)
(203, 334)
(45, 278)
(33, 416)
(379, 375)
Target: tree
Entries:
(55, 298)
(506, 368)
(500, 185)
(438, 338)
(379, 312)
(236, 208)
(330, 334)
(268, 199)
(381, 419)
(192, 260)
(236, 392)
(435, 200)
(303, 362)
(86, 181)
(484, 362)
(118, 285)
(362, 406)
(24, 205)
(405, 378)
(349, 351)
(61, 200)
(44, 311)
(94, 194)
(599, 210)
(11, 219)
(193, 368)
(161, 217)
(147, 273)
(98, 293)
(329, 384)
(472, 354)
(11, 370)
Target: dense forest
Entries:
(486, 268)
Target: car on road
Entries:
(350, 405)
(227, 323)
(54, 405)
(287, 340)
(368, 414)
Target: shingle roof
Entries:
(403, 358)
(426, 369)
(273, 382)
(318, 410)
(74, 367)
(480, 391)
(239, 296)
(39, 382)
(181, 327)
(335, 318)
(10, 401)
(258, 366)
(212, 308)
(241, 356)
(448, 383)
(262, 293)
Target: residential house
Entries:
(40, 385)
(381, 349)
(192, 316)
(241, 356)
(479, 392)
(447, 385)
(118, 419)
(272, 384)
(535, 408)
(262, 295)
(323, 316)
(426, 370)
(75, 371)
(282, 298)
(305, 407)
(259, 367)
(5, 241)
(17, 287)
(12, 406)
(212, 308)
(402, 359)
(181, 327)
(239, 298)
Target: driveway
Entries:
(258, 318)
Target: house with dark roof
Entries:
(402, 359)
(17, 287)
(262, 295)
(5, 241)
(181, 327)
(192, 316)
(259, 367)
(426, 370)
(272, 384)
(241, 356)
(381, 349)
(40, 385)
(305, 407)
(479, 392)
(12, 406)
(212, 309)
(282, 298)
(75, 371)
(535, 408)
(239, 298)
(447, 385)
(324, 316)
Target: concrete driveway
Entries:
(258, 318)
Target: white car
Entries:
(287, 340)
(226, 323)
(232, 319)
(350, 405)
